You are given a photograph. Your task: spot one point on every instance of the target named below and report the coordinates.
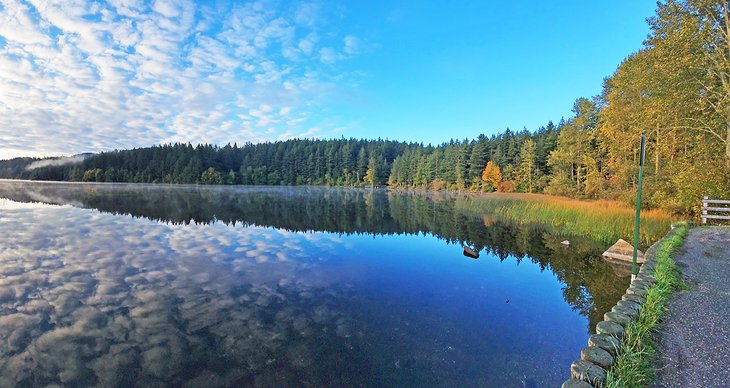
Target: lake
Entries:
(156, 285)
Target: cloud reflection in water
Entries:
(88, 298)
(275, 286)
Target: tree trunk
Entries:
(727, 146)
(725, 6)
(656, 157)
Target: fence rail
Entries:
(721, 209)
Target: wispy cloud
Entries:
(82, 75)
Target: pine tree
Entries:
(527, 163)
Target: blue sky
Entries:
(78, 76)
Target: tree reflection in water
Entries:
(151, 303)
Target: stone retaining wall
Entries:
(599, 356)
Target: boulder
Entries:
(573, 383)
(629, 304)
(597, 356)
(610, 328)
(605, 342)
(634, 298)
(637, 290)
(623, 251)
(628, 311)
(588, 372)
(619, 318)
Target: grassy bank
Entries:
(634, 365)
(601, 220)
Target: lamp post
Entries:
(634, 272)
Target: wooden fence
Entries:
(723, 208)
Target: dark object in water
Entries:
(468, 252)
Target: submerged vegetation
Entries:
(634, 365)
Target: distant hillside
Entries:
(21, 168)
(343, 162)
(15, 168)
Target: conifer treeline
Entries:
(676, 90)
(343, 162)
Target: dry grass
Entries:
(602, 220)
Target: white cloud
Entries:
(167, 8)
(328, 55)
(307, 44)
(307, 14)
(352, 45)
(82, 75)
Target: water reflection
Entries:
(92, 298)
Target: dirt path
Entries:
(694, 338)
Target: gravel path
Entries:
(694, 338)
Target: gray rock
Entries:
(610, 328)
(648, 266)
(641, 284)
(605, 342)
(619, 318)
(637, 291)
(647, 278)
(641, 273)
(628, 311)
(597, 356)
(588, 372)
(573, 383)
(646, 272)
(629, 304)
(634, 298)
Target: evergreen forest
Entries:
(675, 90)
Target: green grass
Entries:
(634, 365)
(601, 220)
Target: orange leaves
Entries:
(492, 174)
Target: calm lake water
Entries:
(122, 285)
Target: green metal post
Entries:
(634, 272)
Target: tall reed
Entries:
(601, 220)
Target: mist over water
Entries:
(120, 285)
(60, 161)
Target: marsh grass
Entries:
(634, 365)
(601, 220)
